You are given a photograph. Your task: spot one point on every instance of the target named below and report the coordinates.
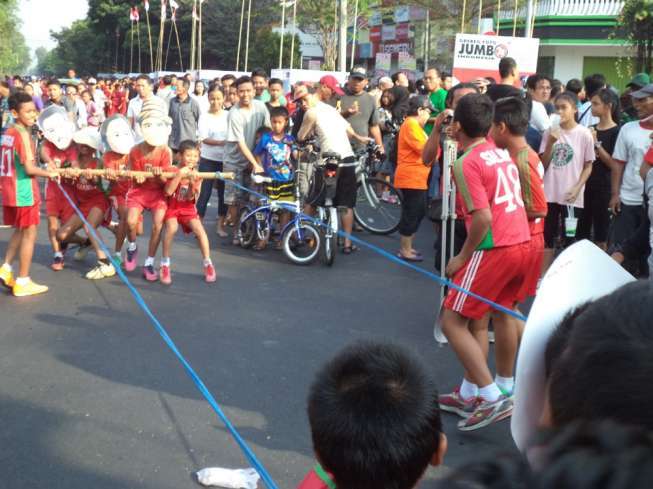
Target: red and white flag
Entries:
(133, 14)
(146, 5)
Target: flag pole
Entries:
(138, 34)
(149, 33)
(294, 30)
(480, 15)
(131, 45)
(353, 37)
(199, 47)
(193, 36)
(514, 19)
(240, 33)
(249, 15)
(462, 20)
(498, 16)
(283, 29)
(165, 66)
(181, 61)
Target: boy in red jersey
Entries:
(182, 193)
(91, 201)
(58, 151)
(154, 155)
(20, 195)
(492, 262)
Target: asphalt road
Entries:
(90, 396)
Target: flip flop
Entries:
(348, 250)
(413, 259)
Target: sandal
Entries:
(348, 250)
(414, 259)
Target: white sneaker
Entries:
(101, 271)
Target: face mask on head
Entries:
(56, 126)
(155, 131)
(117, 136)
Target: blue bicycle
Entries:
(300, 239)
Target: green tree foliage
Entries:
(636, 25)
(14, 53)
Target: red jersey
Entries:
(317, 478)
(648, 157)
(486, 178)
(87, 190)
(67, 157)
(531, 178)
(18, 188)
(139, 160)
(115, 161)
(186, 192)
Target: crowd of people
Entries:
(540, 164)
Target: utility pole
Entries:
(342, 37)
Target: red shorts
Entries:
(21, 217)
(184, 215)
(534, 266)
(142, 199)
(118, 200)
(56, 204)
(99, 202)
(495, 274)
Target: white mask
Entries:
(117, 136)
(56, 126)
(156, 131)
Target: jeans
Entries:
(207, 187)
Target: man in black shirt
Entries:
(509, 76)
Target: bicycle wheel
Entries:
(301, 242)
(378, 206)
(247, 228)
(328, 249)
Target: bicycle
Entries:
(378, 203)
(300, 240)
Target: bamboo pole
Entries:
(294, 30)
(462, 20)
(353, 37)
(498, 16)
(138, 34)
(480, 15)
(283, 31)
(249, 16)
(149, 36)
(181, 61)
(111, 174)
(514, 19)
(199, 48)
(131, 48)
(193, 36)
(240, 33)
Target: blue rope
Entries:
(433, 276)
(249, 454)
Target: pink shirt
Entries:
(570, 152)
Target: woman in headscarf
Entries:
(393, 110)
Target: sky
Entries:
(40, 17)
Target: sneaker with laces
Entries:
(7, 278)
(131, 259)
(487, 413)
(209, 273)
(455, 403)
(150, 274)
(82, 251)
(57, 263)
(101, 270)
(30, 288)
(164, 275)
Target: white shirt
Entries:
(133, 111)
(539, 118)
(212, 126)
(330, 128)
(202, 101)
(632, 144)
(586, 117)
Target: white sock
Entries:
(207, 262)
(490, 392)
(131, 246)
(22, 280)
(149, 261)
(165, 262)
(506, 384)
(468, 390)
(58, 254)
(7, 267)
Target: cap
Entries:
(643, 92)
(92, 81)
(639, 80)
(88, 136)
(358, 72)
(330, 81)
(300, 92)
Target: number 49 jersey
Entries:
(487, 178)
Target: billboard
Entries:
(479, 56)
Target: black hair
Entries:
(556, 87)
(557, 342)
(167, 80)
(228, 76)
(242, 80)
(185, 82)
(533, 80)
(214, 87)
(275, 81)
(395, 76)
(513, 112)
(506, 66)
(17, 99)
(500, 471)
(608, 97)
(143, 76)
(259, 72)
(53, 81)
(279, 112)
(571, 99)
(574, 85)
(436, 70)
(474, 113)
(593, 83)
(605, 368)
(449, 100)
(418, 102)
(444, 75)
(374, 417)
(187, 145)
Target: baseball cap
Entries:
(92, 81)
(358, 72)
(300, 92)
(330, 81)
(646, 91)
(639, 80)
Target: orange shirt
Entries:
(411, 172)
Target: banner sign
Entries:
(388, 32)
(396, 47)
(402, 14)
(479, 56)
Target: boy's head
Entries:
(278, 120)
(275, 89)
(374, 418)
(189, 153)
(510, 120)
(245, 87)
(473, 116)
(259, 81)
(23, 109)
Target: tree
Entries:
(635, 24)
(14, 53)
(266, 52)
